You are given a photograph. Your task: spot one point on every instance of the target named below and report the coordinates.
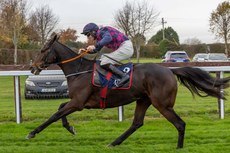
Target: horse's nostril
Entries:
(37, 72)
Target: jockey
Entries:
(113, 39)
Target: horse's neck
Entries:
(64, 52)
(77, 68)
(73, 67)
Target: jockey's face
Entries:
(91, 40)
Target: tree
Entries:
(194, 46)
(43, 22)
(220, 23)
(13, 20)
(68, 35)
(166, 45)
(135, 19)
(192, 41)
(170, 35)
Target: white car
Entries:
(200, 57)
(175, 56)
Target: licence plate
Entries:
(48, 90)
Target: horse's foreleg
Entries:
(65, 122)
(66, 110)
(141, 107)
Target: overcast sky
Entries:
(189, 18)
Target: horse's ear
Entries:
(53, 39)
(50, 42)
(58, 36)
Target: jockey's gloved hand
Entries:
(91, 48)
(81, 50)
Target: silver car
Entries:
(46, 86)
(216, 57)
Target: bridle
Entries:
(46, 64)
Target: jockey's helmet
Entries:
(90, 27)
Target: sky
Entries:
(189, 18)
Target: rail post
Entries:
(220, 101)
(17, 99)
(120, 113)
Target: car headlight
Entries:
(30, 83)
(64, 83)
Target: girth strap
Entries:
(104, 92)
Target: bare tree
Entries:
(192, 41)
(43, 22)
(220, 23)
(135, 19)
(123, 17)
(13, 20)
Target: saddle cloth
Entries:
(103, 78)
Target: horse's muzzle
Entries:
(35, 70)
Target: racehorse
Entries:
(152, 84)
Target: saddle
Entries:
(102, 78)
(106, 80)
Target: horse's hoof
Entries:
(72, 130)
(179, 147)
(110, 145)
(30, 136)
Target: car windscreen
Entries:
(217, 57)
(202, 56)
(179, 55)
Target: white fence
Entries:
(16, 75)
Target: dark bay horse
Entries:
(152, 85)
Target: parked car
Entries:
(46, 86)
(176, 56)
(216, 57)
(200, 57)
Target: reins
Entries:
(74, 58)
(68, 60)
(78, 73)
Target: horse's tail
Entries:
(200, 82)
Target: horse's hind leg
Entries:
(65, 122)
(141, 107)
(172, 117)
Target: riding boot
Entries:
(124, 77)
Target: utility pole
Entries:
(208, 49)
(163, 27)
